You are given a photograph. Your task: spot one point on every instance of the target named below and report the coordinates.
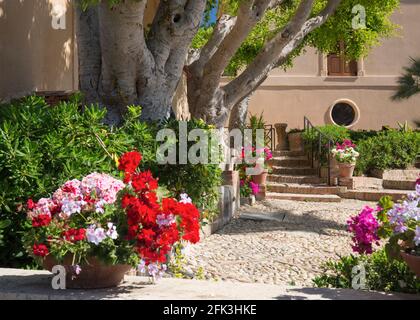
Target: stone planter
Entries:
(346, 170)
(260, 179)
(412, 261)
(95, 275)
(295, 141)
(281, 136)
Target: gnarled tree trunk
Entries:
(120, 67)
(238, 114)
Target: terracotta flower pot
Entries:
(412, 261)
(95, 275)
(346, 170)
(295, 141)
(260, 179)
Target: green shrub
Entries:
(390, 149)
(381, 274)
(361, 135)
(200, 181)
(332, 132)
(41, 147)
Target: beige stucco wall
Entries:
(33, 55)
(305, 90)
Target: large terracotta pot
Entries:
(346, 170)
(260, 179)
(295, 141)
(95, 275)
(412, 261)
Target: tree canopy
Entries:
(143, 64)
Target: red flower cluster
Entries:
(154, 227)
(74, 235)
(40, 250)
(41, 220)
(129, 163)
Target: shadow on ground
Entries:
(282, 220)
(39, 287)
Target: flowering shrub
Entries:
(399, 223)
(345, 152)
(249, 187)
(365, 228)
(115, 221)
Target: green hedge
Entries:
(389, 149)
(381, 274)
(333, 132)
(384, 149)
(41, 147)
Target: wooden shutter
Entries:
(338, 65)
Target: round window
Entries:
(343, 114)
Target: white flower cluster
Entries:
(347, 155)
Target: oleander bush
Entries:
(200, 181)
(381, 273)
(41, 147)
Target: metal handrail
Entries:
(308, 126)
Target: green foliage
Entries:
(325, 39)
(409, 82)
(200, 181)
(381, 274)
(389, 149)
(331, 132)
(41, 147)
(358, 41)
(359, 135)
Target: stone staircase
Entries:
(293, 178)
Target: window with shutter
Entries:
(338, 65)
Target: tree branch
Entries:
(277, 50)
(249, 13)
(222, 28)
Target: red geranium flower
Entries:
(129, 162)
(41, 220)
(74, 235)
(40, 250)
(31, 204)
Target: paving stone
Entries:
(274, 251)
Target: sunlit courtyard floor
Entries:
(286, 249)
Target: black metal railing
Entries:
(270, 136)
(318, 156)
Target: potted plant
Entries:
(99, 227)
(295, 138)
(403, 228)
(398, 223)
(251, 183)
(264, 156)
(346, 156)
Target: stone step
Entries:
(310, 179)
(295, 171)
(305, 188)
(288, 153)
(399, 184)
(292, 162)
(303, 197)
(375, 195)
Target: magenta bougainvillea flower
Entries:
(364, 228)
